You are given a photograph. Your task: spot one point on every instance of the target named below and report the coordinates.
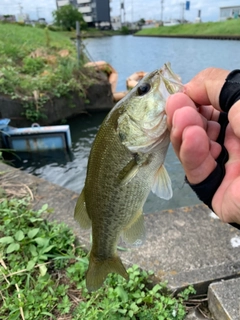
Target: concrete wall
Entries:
(57, 109)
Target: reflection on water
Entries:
(187, 56)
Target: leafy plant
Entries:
(125, 30)
(135, 299)
(32, 65)
(66, 16)
(30, 247)
(42, 276)
(33, 61)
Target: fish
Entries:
(126, 162)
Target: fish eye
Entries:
(143, 89)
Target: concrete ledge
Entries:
(184, 246)
(224, 299)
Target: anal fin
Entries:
(80, 212)
(135, 231)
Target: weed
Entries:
(42, 276)
(30, 248)
(32, 65)
(228, 27)
(119, 299)
(31, 61)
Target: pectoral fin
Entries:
(80, 212)
(132, 168)
(135, 232)
(162, 184)
(130, 175)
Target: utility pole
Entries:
(37, 10)
(182, 4)
(122, 8)
(132, 12)
(78, 41)
(20, 8)
(162, 2)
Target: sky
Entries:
(134, 9)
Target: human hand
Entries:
(193, 121)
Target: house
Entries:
(116, 22)
(231, 12)
(172, 22)
(8, 17)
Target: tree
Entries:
(67, 16)
(141, 22)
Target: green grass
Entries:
(33, 70)
(42, 275)
(229, 27)
(27, 39)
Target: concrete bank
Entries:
(184, 246)
(55, 110)
(192, 36)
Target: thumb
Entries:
(205, 87)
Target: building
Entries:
(23, 17)
(61, 3)
(232, 12)
(172, 22)
(8, 17)
(95, 12)
(116, 22)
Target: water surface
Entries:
(128, 54)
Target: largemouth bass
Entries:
(125, 164)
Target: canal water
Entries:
(128, 54)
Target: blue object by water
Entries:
(37, 138)
(4, 123)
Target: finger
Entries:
(234, 118)
(205, 87)
(182, 118)
(174, 102)
(212, 130)
(226, 200)
(228, 203)
(209, 112)
(196, 154)
(232, 144)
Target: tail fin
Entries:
(99, 269)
